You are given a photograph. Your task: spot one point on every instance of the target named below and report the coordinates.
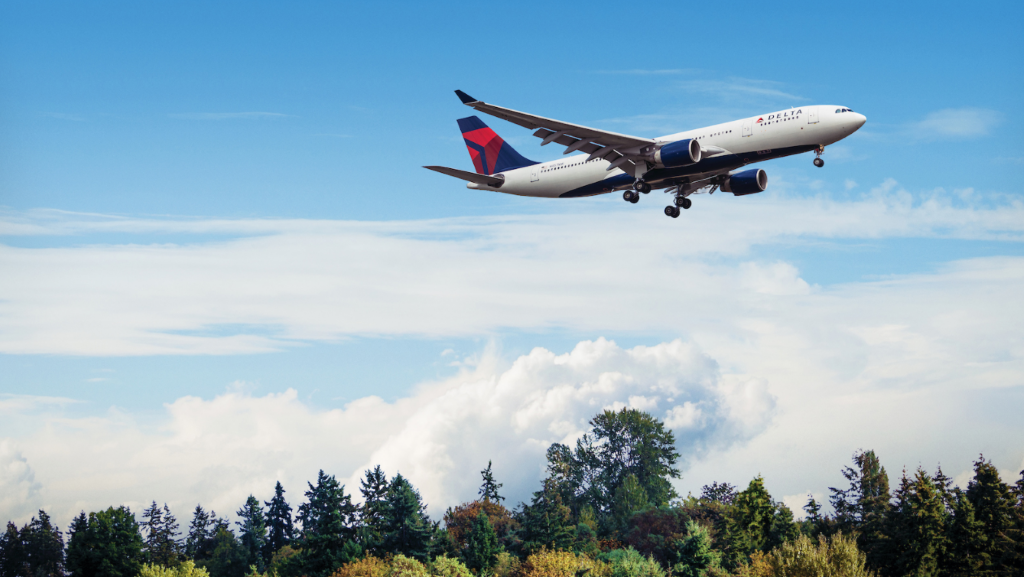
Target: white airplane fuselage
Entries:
(724, 147)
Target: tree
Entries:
(993, 504)
(482, 544)
(917, 539)
(837, 557)
(281, 531)
(718, 493)
(459, 520)
(253, 532)
(161, 544)
(489, 488)
(227, 558)
(864, 506)
(373, 513)
(108, 544)
(967, 539)
(546, 522)
(620, 444)
(630, 498)
(696, 556)
(37, 550)
(328, 529)
(407, 529)
(750, 524)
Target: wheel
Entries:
(819, 162)
(635, 199)
(679, 200)
(645, 188)
(639, 184)
(687, 203)
(672, 211)
(628, 196)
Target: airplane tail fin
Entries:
(489, 152)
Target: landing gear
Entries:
(642, 186)
(672, 211)
(819, 162)
(817, 153)
(683, 202)
(630, 196)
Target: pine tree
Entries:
(993, 509)
(253, 532)
(37, 550)
(407, 529)
(966, 537)
(328, 528)
(750, 523)
(864, 506)
(281, 531)
(696, 557)
(200, 531)
(783, 529)
(161, 545)
(489, 489)
(374, 511)
(546, 522)
(109, 544)
(917, 539)
(482, 545)
(813, 521)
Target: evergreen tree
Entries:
(161, 544)
(783, 529)
(967, 539)
(814, 519)
(374, 511)
(546, 522)
(750, 523)
(108, 544)
(200, 531)
(37, 550)
(253, 532)
(227, 557)
(281, 531)
(489, 488)
(630, 498)
(328, 529)
(917, 540)
(863, 507)
(993, 504)
(482, 544)
(696, 557)
(407, 529)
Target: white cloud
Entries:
(218, 451)
(739, 87)
(19, 491)
(957, 123)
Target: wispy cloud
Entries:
(957, 123)
(647, 72)
(732, 88)
(228, 115)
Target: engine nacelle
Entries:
(746, 182)
(678, 153)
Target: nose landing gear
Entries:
(818, 160)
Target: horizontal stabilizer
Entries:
(492, 181)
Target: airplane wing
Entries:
(492, 181)
(619, 149)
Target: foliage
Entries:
(993, 503)
(368, 566)
(106, 544)
(548, 563)
(280, 529)
(186, 569)
(444, 566)
(546, 522)
(864, 506)
(802, 557)
(228, 558)
(327, 540)
(459, 520)
(161, 544)
(253, 532)
(506, 565)
(481, 545)
(407, 529)
(630, 563)
(696, 556)
(489, 488)
(37, 550)
(718, 493)
(402, 566)
(373, 513)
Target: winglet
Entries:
(465, 98)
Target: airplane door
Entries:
(746, 128)
(534, 174)
(812, 115)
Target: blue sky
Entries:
(205, 206)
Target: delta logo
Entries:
(759, 120)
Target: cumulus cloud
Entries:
(19, 490)
(220, 450)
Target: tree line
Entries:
(606, 508)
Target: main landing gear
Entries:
(818, 160)
(642, 186)
(680, 201)
(630, 196)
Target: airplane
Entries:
(684, 163)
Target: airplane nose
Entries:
(859, 119)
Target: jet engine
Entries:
(746, 182)
(678, 153)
